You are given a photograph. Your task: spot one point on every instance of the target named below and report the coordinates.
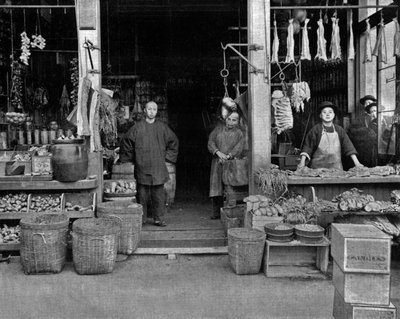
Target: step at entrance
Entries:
(182, 238)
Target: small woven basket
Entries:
(94, 245)
(43, 243)
(246, 249)
(129, 217)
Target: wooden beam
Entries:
(259, 90)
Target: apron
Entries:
(329, 151)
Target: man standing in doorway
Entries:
(149, 144)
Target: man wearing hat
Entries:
(364, 131)
(326, 142)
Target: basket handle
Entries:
(42, 235)
(116, 217)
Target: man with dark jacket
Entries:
(149, 144)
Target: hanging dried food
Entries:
(290, 43)
(351, 51)
(396, 41)
(299, 93)
(335, 49)
(380, 49)
(321, 42)
(65, 103)
(25, 45)
(305, 43)
(275, 45)
(368, 46)
(16, 88)
(74, 71)
(38, 42)
(282, 112)
(40, 98)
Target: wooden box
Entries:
(361, 248)
(18, 168)
(296, 259)
(232, 216)
(78, 205)
(258, 222)
(343, 310)
(362, 288)
(123, 171)
(42, 165)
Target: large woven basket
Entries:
(94, 245)
(43, 243)
(129, 217)
(245, 248)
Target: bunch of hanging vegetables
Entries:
(272, 181)
(16, 88)
(74, 71)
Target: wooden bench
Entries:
(296, 259)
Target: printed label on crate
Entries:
(373, 313)
(368, 254)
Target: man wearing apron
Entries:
(326, 143)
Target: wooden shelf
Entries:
(301, 180)
(10, 247)
(70, 214)
(47, 185)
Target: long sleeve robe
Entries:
(149, 146)
(228, 142)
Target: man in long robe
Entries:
(149, 144)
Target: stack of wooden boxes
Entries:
(361, 272)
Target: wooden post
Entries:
(88, 23)
(259, 89)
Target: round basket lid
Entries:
(44, 221)
(246, 234)
(110, 195)
(96, 226)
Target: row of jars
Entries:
(38, 136)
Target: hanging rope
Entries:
(224, 74)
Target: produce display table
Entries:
(296, 259)
(328, 188)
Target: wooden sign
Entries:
(42, 165)
(87, 14)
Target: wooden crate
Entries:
(362, 288)
(42, 165)
(86, 202)
(343, 310)
(123, 171)
(361, 248)
(296, 259)
(232, 216)
(258, 222)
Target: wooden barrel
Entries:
(170, 186)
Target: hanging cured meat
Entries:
(335, 49)
(380, 49)
(305, 43)
(275, 45)
(321, 42)
(351, 53)
(300, 92)
(368, 46)
(290, 43)
(282, 111)
(396, 41)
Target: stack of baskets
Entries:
(246, 248)
(94, 245)
(43, 243)
(129, 217)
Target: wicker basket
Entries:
(94, 245)
(246, 248)
(43, 243)
(129, 217)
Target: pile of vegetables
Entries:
(298, 210)
(9, 235)
(353, 200)
(272, 181)
(44, 203)
(14, 203)
(70, 207)
(16, 118)
(120, 187)
(261, 205)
